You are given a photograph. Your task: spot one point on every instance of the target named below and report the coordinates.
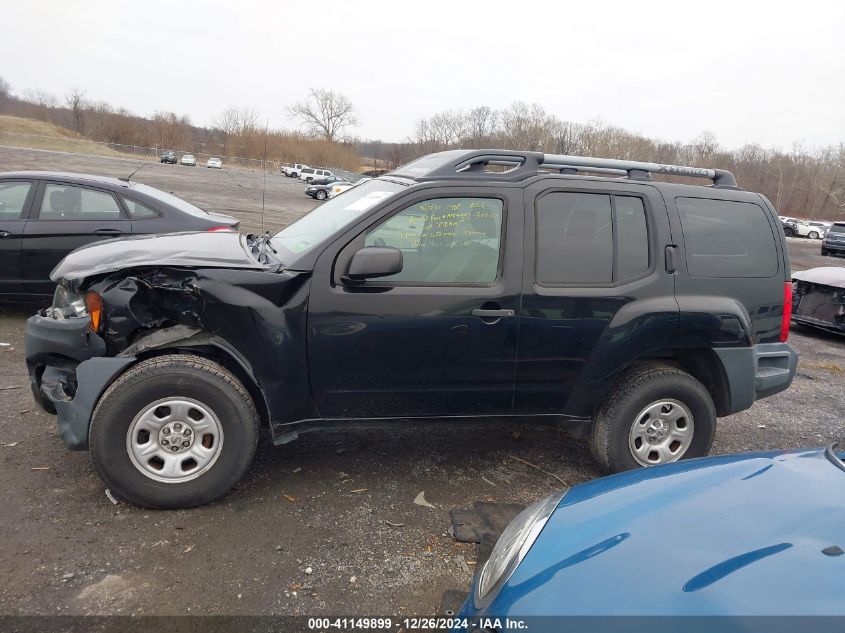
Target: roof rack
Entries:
(460, 164)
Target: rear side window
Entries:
(727, 239)
(67, 202)
(12, 199)
(631, 237)
(138, 211)
(588, 238)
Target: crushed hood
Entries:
(222, 249)
(825, 275)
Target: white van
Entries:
(309, 173)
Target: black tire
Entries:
(824, 252)
(813, 235)
(173, 376)
(634, 391)
(320, 195)
(308, 181)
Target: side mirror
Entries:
(374, 261)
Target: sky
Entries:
(750, 72)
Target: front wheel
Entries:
(321, 195)
(173, 432)
(653, 415)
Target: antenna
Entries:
(264, 174)
(134, 172)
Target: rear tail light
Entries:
(787, 311)
(216, 229)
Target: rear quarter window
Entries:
(725, 238)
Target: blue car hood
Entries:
(733, 535)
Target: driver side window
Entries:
(444, 240)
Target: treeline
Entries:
(799, 182)
(235, 132)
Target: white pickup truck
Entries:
(293, 171)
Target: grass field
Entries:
(33, 134)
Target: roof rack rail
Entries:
(459, 164)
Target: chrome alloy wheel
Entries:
(661, 433)
(174, 440)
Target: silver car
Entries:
(189, 160)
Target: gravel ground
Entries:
(327, 524)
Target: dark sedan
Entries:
(46, 215)
(320, 189)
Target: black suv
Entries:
(834, 240)
(169, 156)
(482, 284)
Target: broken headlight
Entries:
(512, 546)
(67, 304)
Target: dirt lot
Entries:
(322, 502)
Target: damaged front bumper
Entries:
(68, 372)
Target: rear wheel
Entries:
(173, 432)
(825, 252)
(813, 235)
(653, 415)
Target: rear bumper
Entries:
(834, 247)
(757, 372)
(68, 371)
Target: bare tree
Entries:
(481, 123)
(325, 113)
(75, 102)
(248, 121)
(171, 130)
(43, 102)
(5, 89)
(226, 125)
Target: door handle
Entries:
(492, 314)
(5, 234)
(671, 258)
(108, 232)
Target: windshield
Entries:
(172, 200)
(331, 217)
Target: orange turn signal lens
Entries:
(94, 304)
